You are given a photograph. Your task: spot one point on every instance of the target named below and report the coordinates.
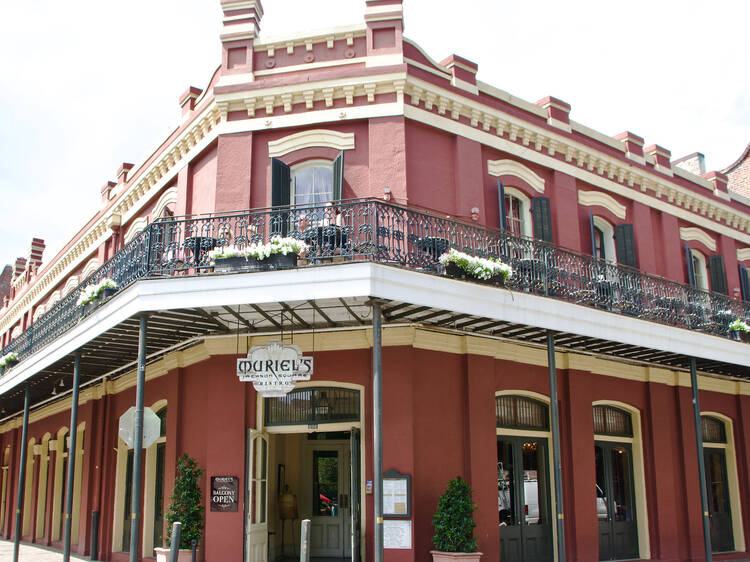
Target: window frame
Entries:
(608, 238)
(700, 269)
(524, 212)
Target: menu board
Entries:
(397, 534)
(396, 494)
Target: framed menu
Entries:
(396, 494)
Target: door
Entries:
(355, 501)
(326, 469)
(719, 513)
(615, 501)
(256, 504)
(523, 499)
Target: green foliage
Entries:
(453, 521)
(185, 502)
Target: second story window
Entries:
(312, 183)
(514, 215)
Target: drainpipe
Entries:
(555, 416)
(377, 429)
(701, 464)
(21, 474)
(71, 457)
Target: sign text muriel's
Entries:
(274, 368)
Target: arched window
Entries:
(517, 212)
(609, 420)
(312, 183)
(520, 412)
(28, 492)
(4, 481)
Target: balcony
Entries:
(375, 231)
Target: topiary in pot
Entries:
(454, 524)
(185, 505)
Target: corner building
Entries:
(627, 270)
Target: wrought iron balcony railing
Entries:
(374, 230)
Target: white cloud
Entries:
(89, 84)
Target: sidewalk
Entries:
(32, 553)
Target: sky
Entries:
(89, 84)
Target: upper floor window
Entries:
(603, 240)
(517, 209)
(312, 183)
(696, 263)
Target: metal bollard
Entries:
(174, 547)
(304, 547)
(194, 544)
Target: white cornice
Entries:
(690, 233)
(279, 42)
(307, 139)
(499, 168)
(593, 198)
(743, 254)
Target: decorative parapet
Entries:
(633, 146)
(558, 112)
(661, 158)
(463, 73)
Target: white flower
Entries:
(481, 268)
(739, 326)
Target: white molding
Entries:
(91, 266)
(499, 168)
(307, 139)
(598, 198)
(138, 225)
(70, 284)
(743, 254)
(305, 66)
(690, 233)
(170, 196)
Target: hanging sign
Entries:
(274, 368)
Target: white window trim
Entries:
(639, 472)
(59, 486)
(41, 503)
(525, 212)
(608, 233)
(701, 270)
(730, 456)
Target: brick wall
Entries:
(739, 177)
(5, 278)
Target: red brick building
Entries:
(627, 272)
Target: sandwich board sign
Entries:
(151, 427)
(274, 368)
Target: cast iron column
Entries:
(21, 474)
(377, 426)
(701, 464)
(71, 457)
(135, 502)
(555, 418)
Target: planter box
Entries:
(452, 270)
(438, 556)
(281, 261)
(184, 554)
(237, 263)
(10, 364)
(740, 336)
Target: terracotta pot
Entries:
(438, 556)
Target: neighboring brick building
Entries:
(5, 278)
(739, 174)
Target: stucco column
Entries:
(564, 203)
(641, 218)
(234, 157)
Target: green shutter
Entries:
(280, 183)
(744, 282)
(542, 218)
(717, 273)
(503, 223)
(625, 245)
(592, 229)
(338, 176)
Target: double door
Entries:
(615, 501)
(717, 489)
(523, 499)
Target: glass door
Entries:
(720, 515)
(523, 499)
(256, 504)
(615, 501)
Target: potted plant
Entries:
(92, 295)
(185, 507)
(9, 360)
(232, 258)
(464, 266)
(740, 330)
(279, 253)
(454, 524)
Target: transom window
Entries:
(609, 420)
(312, 183)
(520, 412)
(713, 430)
(313, 405)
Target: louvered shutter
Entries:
(717, 273)
(338, 176)
(625, 245)
(592, 229)
(744, 282)
(501, 206)
(542, 218)
(281, 178)
(689, 265)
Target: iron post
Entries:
(70, 477)
(21, 474)
(135, 502)
(555, 419)
(701, 463)
(377, 426)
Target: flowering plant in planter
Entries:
(481, 268)
(90, 293)
(9, 359)
(227, 252)
(278, 245)
(739, 326)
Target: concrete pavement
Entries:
(32, 553)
